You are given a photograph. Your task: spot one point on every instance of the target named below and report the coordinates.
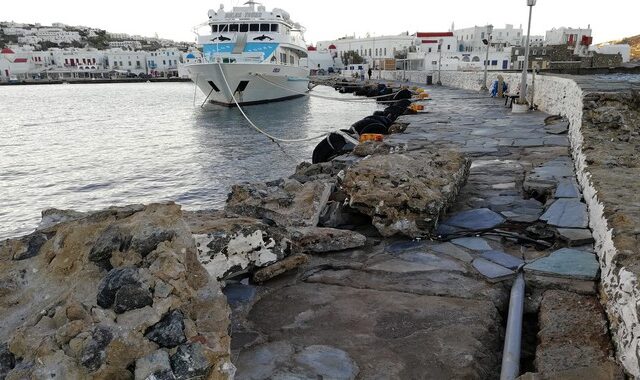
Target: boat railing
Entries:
(228, 58)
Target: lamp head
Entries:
(531, 3)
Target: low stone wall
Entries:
(619, 290)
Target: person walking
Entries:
(369, 72)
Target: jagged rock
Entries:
(228, 244)
(169, 332)
(53, 304)
(286, 202)
(125, 348)
(7, 360)
(154, 366)
(70, 331)
(406, 193)
(398, 127)
(280, 267)
(33, 243)
(323, 171)
(57, 366)
(130, 297)
(338, 214)
(190, 361)
(53, 216)
(320, 240)
(93, 353)
(114, 280)
(112, 239)
(371, 147)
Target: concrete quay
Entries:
(416, 309)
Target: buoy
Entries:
(330, 147)
(375, 128)
(371, 137)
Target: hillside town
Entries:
(31, 52)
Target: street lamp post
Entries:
(440, 41)
(486, 60)
(523, 82)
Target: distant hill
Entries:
(634, 42)
(88, 38)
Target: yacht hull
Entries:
(249, 83)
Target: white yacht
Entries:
(251, 54)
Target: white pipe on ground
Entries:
(513, 335)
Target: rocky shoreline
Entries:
(135, 291)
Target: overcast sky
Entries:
(330, 19)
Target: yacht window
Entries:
(254, 27)
(264, 27)
(214, 28)
(223, 28)
(244, 27)
(274, 27)
(233, 27)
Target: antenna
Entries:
(252, 3)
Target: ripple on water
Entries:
(99, 145)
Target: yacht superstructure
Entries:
(251, 54)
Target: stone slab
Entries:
(503, 259)
(475, 220)
(418, 262)
(568, 263)
(576, 236)
(567, 188)
(493, 272)
(381, 330)
(454, 251)
(473, 243)
(433, 283)
(404, 246)
(282, 360)
(567, 213)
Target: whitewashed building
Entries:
(164, 62)
(623, 49)
(125, 44)
(125, 62)
(372, 48)
(14, 65)
(322, 59)
(57, 35)
(470, 40)
(580, 39)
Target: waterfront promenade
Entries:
(437, 309)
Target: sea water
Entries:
(90, 146)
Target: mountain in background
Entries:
(89, 38)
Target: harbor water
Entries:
(90, 146)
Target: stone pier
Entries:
(436, 308)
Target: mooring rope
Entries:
(273, 138)
(321, 96)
